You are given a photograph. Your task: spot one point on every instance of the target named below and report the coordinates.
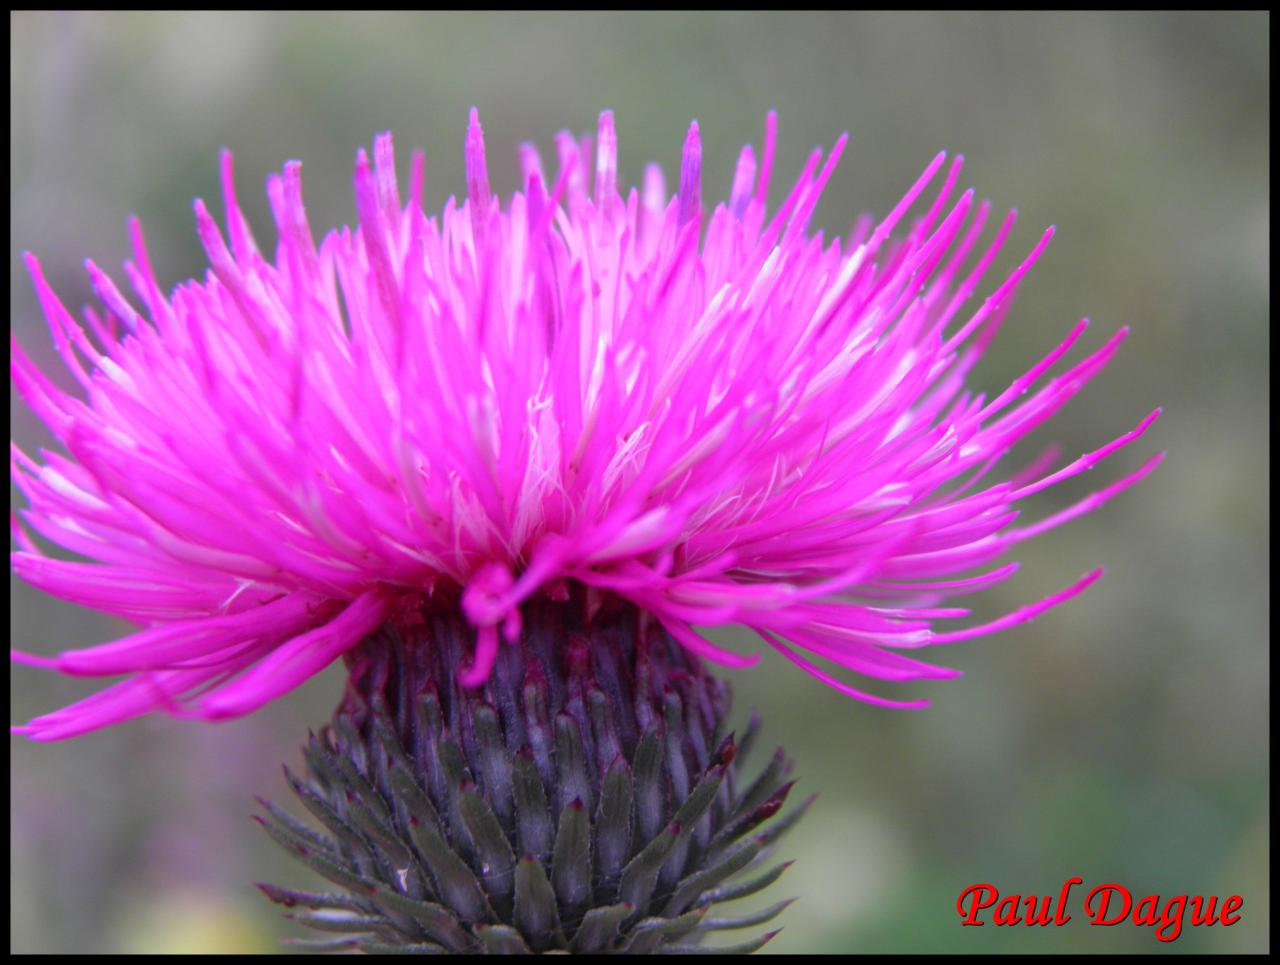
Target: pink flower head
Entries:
(716, 416)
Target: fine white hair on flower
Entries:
(714, 415)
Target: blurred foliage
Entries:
(1122, 738)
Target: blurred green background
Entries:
(1121, 738)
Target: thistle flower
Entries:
(754, 427)
(540, 421)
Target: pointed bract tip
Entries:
(728, 750)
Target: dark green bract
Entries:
(584, 799)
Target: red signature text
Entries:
(1108, 904)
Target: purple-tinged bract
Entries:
(716, 416)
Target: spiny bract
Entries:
(585, 799)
